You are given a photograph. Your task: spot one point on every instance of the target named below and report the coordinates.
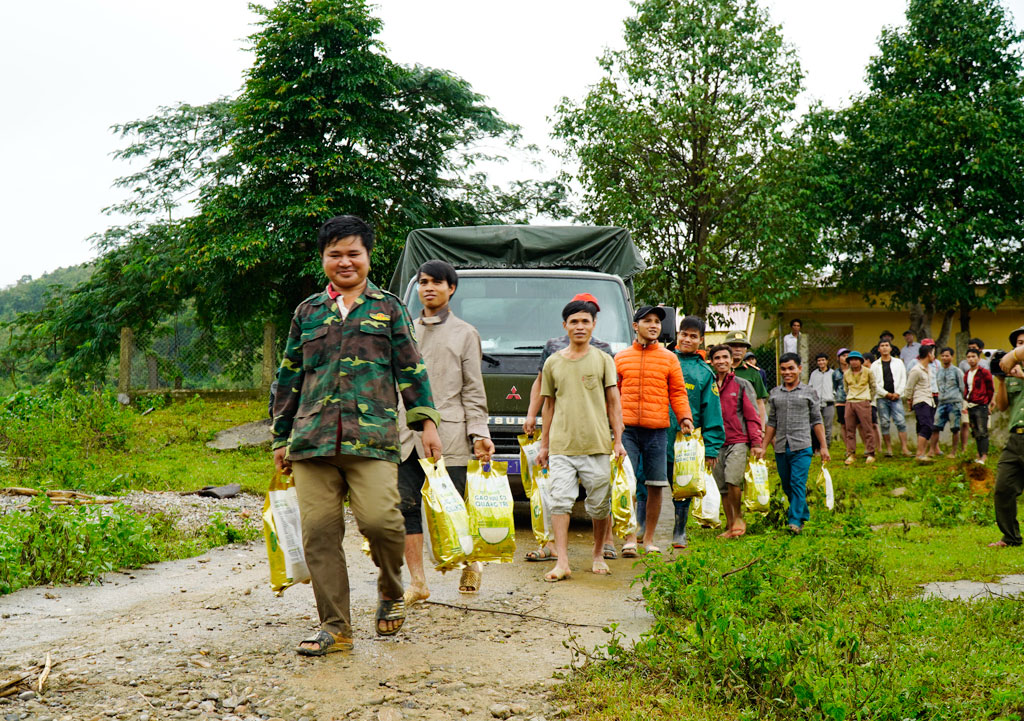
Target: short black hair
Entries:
(925, 351)
(439, 270)
(692, 322)
(976, 341)
(821, 355)
(947, 348)
(885, 340)
(787, 357)
(579, 306)
(796, 320)
(975, 351)
(715, 349)
(342, 226)
(869, 357)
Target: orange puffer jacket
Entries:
(650, 379)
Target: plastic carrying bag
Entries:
(825, 484)
(757, 494)
(489, 504)
(688, 469)
(540, 504)
(707, 511)
(623, 490)
(282, 530)
(529, 447)
(445, 519)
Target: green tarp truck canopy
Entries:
(605, 249)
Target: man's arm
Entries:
(819, 431)
(712, 425)
(410, 373)
(530, 424)
(474, 397)
(613, 404)
(546, 415)
(678, 398)
(286, 400)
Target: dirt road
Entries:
(205, 638)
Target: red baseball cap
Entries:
(927, 341)
(588, 298)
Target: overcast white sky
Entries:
(75, 68)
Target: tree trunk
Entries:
(917, 320)
(947, 324)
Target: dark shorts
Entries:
(925, 415)
(647, 446)
(410, 487)
(874, 414)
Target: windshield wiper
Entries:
(491, 359)
(529, 347)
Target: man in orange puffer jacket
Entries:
(650, 380)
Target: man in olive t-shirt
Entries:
(581, 400)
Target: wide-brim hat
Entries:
(736, 337)
(854, 354)
(1015, 335)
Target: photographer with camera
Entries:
(1007, 368)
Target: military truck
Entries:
(513, 282)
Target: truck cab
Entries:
(516, 306)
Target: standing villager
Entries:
(838, 388)
(742, 435)
(451, 351)
(908, 353)
(349, 347)
(791, 341)
(950, 383)
(976, 344)
(793, 415)
(1010, 472)
(979, 394)
(650, 382)
(738, 343)
(919, 393)
(581, 400)
(705, 406)
(859, 385)
(821, 380)
(890, 383)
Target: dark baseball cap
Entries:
(647, 310)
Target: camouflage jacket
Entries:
(336, 385)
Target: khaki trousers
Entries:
(372, 489)
(858, 413)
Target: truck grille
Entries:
(505, 441)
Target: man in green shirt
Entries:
(1010, 472)
(739, 345)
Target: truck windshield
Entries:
(517, 316)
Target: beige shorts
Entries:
(593, 472)
(730, 466)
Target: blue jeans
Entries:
(646, 450)
(794, 467)
(947, 412)
(891, 409)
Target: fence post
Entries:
(269, 356)
(124, 371)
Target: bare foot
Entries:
(739, 527)
(600, 567)
(726, 534)
(415, 593)
(558, 573)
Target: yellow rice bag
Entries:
(529, 447)
(623, 489)
(707, 510)
(688, 469)
(445, 520)
(540, 502)
(282, 530)
(757, 493)
(489, 504)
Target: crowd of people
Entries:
(356, 367)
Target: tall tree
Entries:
(683, 142)
(921, 179)
(223, 217)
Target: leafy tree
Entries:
(223, 217)
(921, 180)
(682, 141)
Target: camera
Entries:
(994, 364)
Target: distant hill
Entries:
(30, 294)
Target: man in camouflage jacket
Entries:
(335, 425)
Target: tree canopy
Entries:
(920, 181)
(223, 215)
(683, 142)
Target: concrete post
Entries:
(124, 371)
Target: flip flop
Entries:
(470, 581)
(388, 610)
(556, 579)
(541, 554)
(629, 551)
(326, 643)
(651, 549)
(602, 570)
(609, 552)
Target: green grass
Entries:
(829, 624)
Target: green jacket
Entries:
(704, 404)
(336, 385)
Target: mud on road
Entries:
(204, 638)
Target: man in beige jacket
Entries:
(451, 351)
